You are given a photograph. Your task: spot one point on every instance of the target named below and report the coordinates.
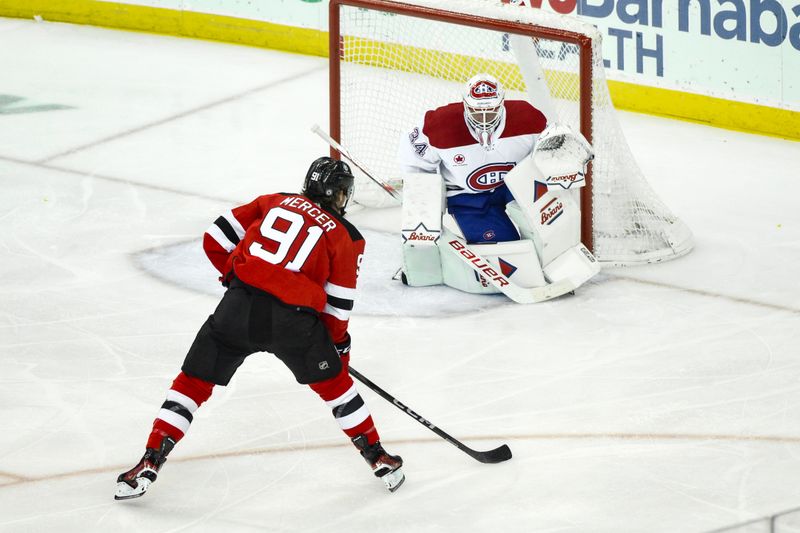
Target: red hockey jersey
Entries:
(290, 247)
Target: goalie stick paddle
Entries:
(497, 455)
(521, 295)
(391, 191)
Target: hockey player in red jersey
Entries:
(290, 262)
(473, 144)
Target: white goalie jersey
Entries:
(444, 143)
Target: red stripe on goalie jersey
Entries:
(295, 250)
(445, 126)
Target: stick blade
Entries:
(498, 455)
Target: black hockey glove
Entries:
(343, 348)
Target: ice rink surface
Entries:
(663, 398)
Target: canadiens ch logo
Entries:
(459, 159)
(484, 89)
(489, 176)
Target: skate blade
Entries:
(126, 492)
(393, 480)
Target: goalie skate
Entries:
(384, 466)
(137, 480)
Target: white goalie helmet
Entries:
(483, 107)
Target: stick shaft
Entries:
(492, 456)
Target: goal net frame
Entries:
(558, 28)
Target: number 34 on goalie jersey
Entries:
(290, 247)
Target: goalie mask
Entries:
(483, 107)
(326, 177)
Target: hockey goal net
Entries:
(391, 61)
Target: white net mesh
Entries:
(394, 67)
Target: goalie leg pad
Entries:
(553, 223)
(577, 265)
(422, 266)
(524, 295)
(423, 197)
(457, 274)
(515, 261)
(564, 256)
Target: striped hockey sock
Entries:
(349, 409)
(176, 414)
(353, 416)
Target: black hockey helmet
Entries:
(325, 178)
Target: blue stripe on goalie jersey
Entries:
(226, 228)
(341, 411)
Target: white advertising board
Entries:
(740, 50)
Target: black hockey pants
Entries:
(249, 320)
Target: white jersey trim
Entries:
(175, 396)
(237, 227)
(354, 418)
(338, 291)
(336, 312)
(220, 237)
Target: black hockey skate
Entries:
(136, 481)
(384, 466)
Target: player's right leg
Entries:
(306, 348)
(137, 480)
(385, 466)
(355, 420)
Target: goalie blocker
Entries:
(549, 260)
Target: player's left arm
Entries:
(227, 231)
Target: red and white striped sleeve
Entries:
(340, 289)
(227, 231)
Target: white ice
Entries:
(663, 398)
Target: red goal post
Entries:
(391, 60)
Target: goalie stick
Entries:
(497, 455)
(521, 295)
(345, 152)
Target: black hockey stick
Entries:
(497, 455)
